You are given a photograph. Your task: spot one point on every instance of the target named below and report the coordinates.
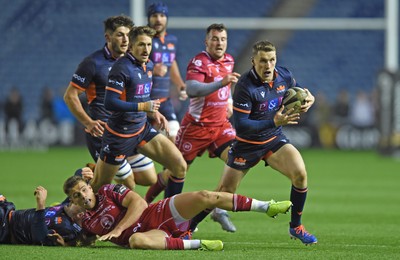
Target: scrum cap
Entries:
(158, 7)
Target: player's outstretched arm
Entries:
(135, 205)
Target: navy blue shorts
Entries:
(115, 148)
(94, 145)
(5, 208)
(243, 156)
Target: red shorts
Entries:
(194, 139)
(157, 216)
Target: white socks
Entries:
(259, 206)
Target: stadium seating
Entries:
(45, 39)
(329, 60)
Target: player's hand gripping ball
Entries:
(294, 98)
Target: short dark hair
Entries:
(141, 30)
(71, 182)
(216, 26)
(263, 46)
(113, 22)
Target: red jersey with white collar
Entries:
(210, 110)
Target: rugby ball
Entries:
(294, 98)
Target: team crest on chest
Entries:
(280, 89)
(107, 221)
(223, 93)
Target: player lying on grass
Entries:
(49, 226)
(123, 217)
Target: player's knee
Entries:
(145, 178)
(179, 168)
(139, 241)
(299, 177)
(206, 197)
(226, 188)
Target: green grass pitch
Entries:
(353, 207)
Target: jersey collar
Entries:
(135, 61)
(107, 53)
(255, 76)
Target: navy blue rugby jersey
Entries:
(26, 229)
(133, 81)
(255, 104)
(91, 76)
(163, 51)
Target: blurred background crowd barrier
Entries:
(345, 52)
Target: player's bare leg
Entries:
(137, 169)
(153, 239)
(129, 182)
(157, 239)
(143, 170)
(190, 204)
(103, 174)
(288, 161)
(220, 215)
(163, 151)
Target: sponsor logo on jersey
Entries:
(119, 83)
(142, 89)
(229, 131)
(58, 220)
(187, 146)
(166, 58)
(119, 188)
(263, 106)
(269, 105)
(262, 93)
(163, 57)
(107, 221)
(156, 45)
(79, 78)
(156, 57)
(228, 68)
(280, 89)
(242, 104)
(115, 82)
(197, 63)
(273, 104)
(50, 213)
(239, 161)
